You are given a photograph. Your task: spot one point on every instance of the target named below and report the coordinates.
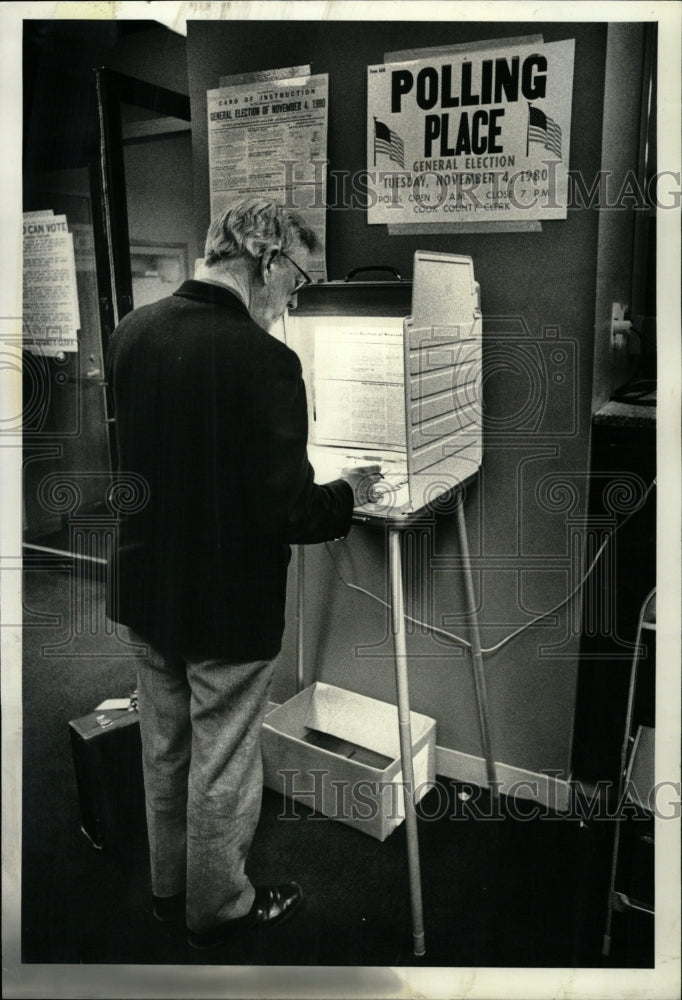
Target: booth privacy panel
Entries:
(442, 342)
(420, 379)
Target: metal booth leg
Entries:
(477, 656)
(405, 730)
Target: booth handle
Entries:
(374, 267)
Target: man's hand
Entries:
(361, 479)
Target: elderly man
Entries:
(211, 412)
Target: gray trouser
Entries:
(200, 722)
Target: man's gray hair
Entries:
(248, 227)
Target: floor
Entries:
(497, 891)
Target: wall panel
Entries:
(524, 513)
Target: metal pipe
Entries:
(624, 754)
(479, 675)
(405, 731)
(300, 600)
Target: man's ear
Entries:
(266, 262)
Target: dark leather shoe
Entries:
(169, 909)
(272, 905)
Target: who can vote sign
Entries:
(479, 135)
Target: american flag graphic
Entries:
(543, 129)
(387, 141)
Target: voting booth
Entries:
(393, 378)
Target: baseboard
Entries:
(545, 789)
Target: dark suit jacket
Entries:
(211, 411)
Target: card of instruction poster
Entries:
(269, 138)
(471, 136)
(51, 318)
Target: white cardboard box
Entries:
(338, 752)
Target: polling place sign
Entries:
(471, 136)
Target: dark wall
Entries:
(59, 95)
(538, 300)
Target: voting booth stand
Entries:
(393, 378)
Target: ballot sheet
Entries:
(359, 388)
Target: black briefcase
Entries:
(107, 757)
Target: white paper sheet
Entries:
(359, 396)
(51, 317)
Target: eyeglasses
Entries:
(305, 278)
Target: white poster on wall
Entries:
(269, 138)
(51, 317)
(258, 75)
(471, 136)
